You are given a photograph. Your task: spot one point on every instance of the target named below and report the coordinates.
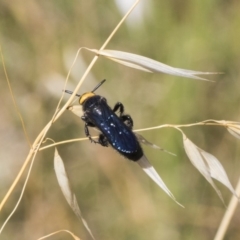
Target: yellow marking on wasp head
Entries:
(85, 96)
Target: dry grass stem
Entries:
(14, 101)
(211, 122)
(228, 214)
(54, 233)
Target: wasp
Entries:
(115, 129)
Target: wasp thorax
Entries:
(85, 96)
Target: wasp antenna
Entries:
(70, 92)
(98, 85)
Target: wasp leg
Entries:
(87, 132)
(88, 124)
(85, 119)
(127, 120)
(103, 140)
(119, 106)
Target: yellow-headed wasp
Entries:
(115, 130)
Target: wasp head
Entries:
(87, 95)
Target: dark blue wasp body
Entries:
(115, 130)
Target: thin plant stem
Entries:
(204, 123)
(14, 100)
(51, 234)
(119, 24)
(45, 130)
(64, 142)
(228, 214)
(24, 166)
(176, 126)
(65, 84)
(22, 192)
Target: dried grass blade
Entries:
(66, 189)
(217, 171)
(151, 172)
(234, 130)
(207, 165)
(195, 157)
(146, 64)
(131, 65)
(76, 109)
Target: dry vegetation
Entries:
(39, 40)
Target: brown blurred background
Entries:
(39, 40)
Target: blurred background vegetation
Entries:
(39, 40)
